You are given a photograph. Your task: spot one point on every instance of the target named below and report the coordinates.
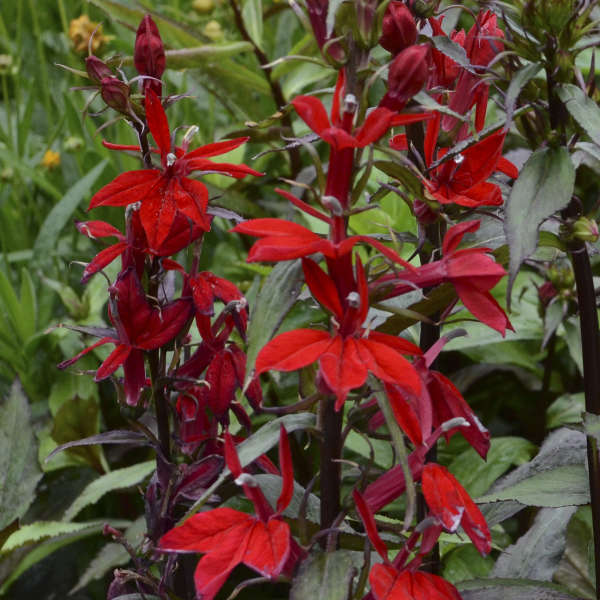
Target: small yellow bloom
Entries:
(213, 31)
(80, 31)
(51, 160)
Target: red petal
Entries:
(506, 167)
(287, 471)
(275, 228)
(375, 125)
(157, 214)
(408, 118)
(455, 234)
(338, 138)
(231, 456)
(67, 363)
(103, 258)
(343, 368)
(369, 521)
(483, 306)
(387, 252)
(127, 188)
(312, 112)
(135, 376)
(223, 382)
(164, 324)
(386, 364)
(307, 208)
(293, 350)
(389, 584)
(399, 142)
(192, 200)
(211, 573)
(157, 122)
(322, 287)
(115, 359)
(216, 148)
(126, 147)
(404, 414)
(268, 547)
(98, 229)
(397, 343)
(237, 171)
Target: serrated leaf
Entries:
(452, 50)
(257, 444)
(582, 108)
(115, 480)
(544, 186)
(62, 212)
(41, 530)
(537, 553)
(511, 589)
(19, 470)
(253, 20)
(112, 555)
(325, 576)
(275, 299)
(563, 486)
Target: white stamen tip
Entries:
(353, 300)
(459, 158)
(456, 422)
(171, 158)
(190, 133)
(246, 479)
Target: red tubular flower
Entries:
(139, 327)
(387, 583)
(228, 537)
(451, 504)
(471, 271)
(398, 30)
(346, 357)
(163, 192)
(408, 73)
(149, 54)
(445, 70)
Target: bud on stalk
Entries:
(96, 69)
(408, 73)
(149, 54)
(399, 30)
(116, 94)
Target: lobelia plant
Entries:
(208, 402)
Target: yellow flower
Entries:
(80, 31)
(51, 159)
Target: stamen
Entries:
(171, 158)
(353, 300)
(246, 479)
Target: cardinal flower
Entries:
(471, 271)
(165, 191)
(451, 504)
(228, 537)
(139, 327)
(350, 352)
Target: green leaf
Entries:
(189, 58)
(79, 418)
(115, 480)
(582, 108)
(563, 486)
(452, 50)
(62, 212)
(256, 445)
(517, 83)
(511, 589)
(271, 488)
(12, 314)
(253, 20)
(476, 475)
(326, 576)
(465, 563)
(565, 409)
(537, 553)
(112, 555)
(544, 186)
(275, 300)
(591, 424)
(576, 569)
(19, 470)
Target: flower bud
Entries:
(115, 93)
(586, 230)
(399, 30)
(96, 69)
(408, 73)
(546, 292)
(149, 54)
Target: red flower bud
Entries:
(399, 30)
(115, 93)
(96, 69)
(149, 54)
(408, 73)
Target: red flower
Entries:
(163, 192)
(346, 356)
(452, 505)
(149, 54)
(139, 327)
(387, 583)
(229, 537)
(398, 30)
(471, 271)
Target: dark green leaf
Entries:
(544, 186)
(565, 409)
(591, 424)
(325, 576)
(253, 20)
(582, 108)
(464, 563)
(19, 470)
(511, 589)
(517, 82)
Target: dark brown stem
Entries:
(276, 91)
(331, 448)
(590, 343)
